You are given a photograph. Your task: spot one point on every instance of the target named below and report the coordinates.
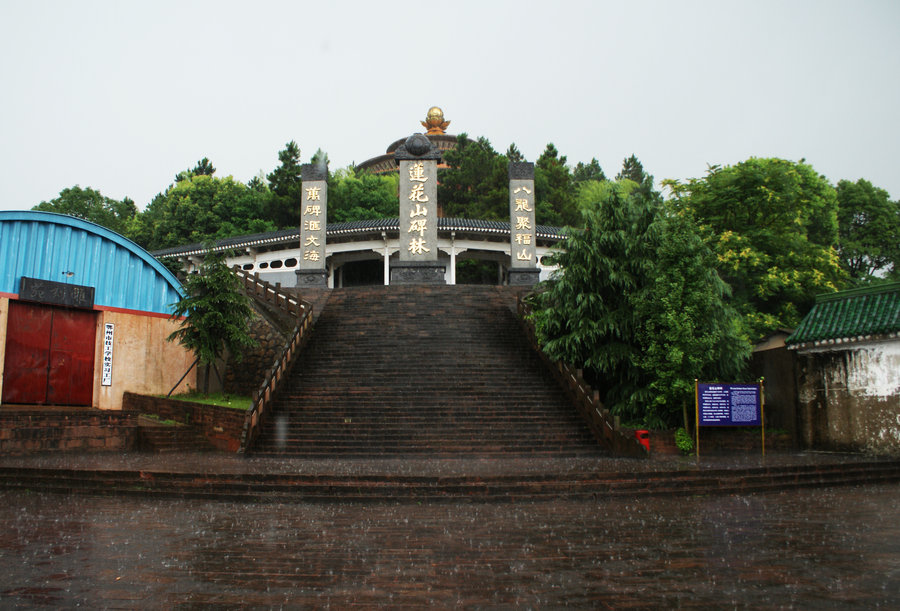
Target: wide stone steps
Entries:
(282, 487)
(421, 371)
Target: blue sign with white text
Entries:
(729, 405)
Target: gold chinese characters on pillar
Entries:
(523, 230)
(418, 214)
(523, 268)
(418, 200)
(313, 217)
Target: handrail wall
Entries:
(266, 292)
(586, 400)
(264, 396)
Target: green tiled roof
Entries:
(862, 312)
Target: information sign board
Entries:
(729, 405)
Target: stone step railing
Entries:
(585, 399)
(266, 292)
(264, 397)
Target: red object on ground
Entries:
(643, 438)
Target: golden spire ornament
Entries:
(434, 121)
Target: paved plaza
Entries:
(821, 548)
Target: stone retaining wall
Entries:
(222, 426)
(244, 377)
(57, 430)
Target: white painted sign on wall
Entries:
(106, 377)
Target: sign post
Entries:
(729, 405)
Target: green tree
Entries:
(633, 170)
(514, 155)
(476, 182)
(201, 208)
(588, 171)
(773, 226)
(553, 188)
(356, 196)
(91, 205)
(203, 168)
(687, 330)
(868, 230)
(213, 316)
(637, 304)
(285, 181)
(259, 184)
(320, 158)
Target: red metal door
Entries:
(71, 375)
(27, 353)
(49, 355)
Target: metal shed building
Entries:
(84, 314)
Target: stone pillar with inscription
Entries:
(523, 269)
(418, 258)
(313, 214)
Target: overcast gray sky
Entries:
(120, 96)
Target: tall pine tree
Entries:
(285, 183)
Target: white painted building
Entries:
(848, 371)
(361, 252)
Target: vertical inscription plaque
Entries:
(313, 216)
(523, 268)
(418, 258)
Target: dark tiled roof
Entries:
(855, 314)
(335, 230)
(255, 239)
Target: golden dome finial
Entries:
(434, 121)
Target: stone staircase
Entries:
(308, 483)
(422, 371)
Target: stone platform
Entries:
(231, 477)
(816, 546)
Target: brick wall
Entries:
(723, 440)
(61, 430)
(222, 426)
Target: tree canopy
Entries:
(773, 226)
(200, 208)
(214, 315)
(356, 196)
(555, 198)
(638, 304)
(91, 205)
(283, 208)
(588, 171)
(475, 184)
(868, 230)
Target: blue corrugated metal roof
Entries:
(49, 246)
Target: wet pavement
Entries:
(217, 462)
(827, 548)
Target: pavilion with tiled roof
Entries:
(861, 314)
(361, 252)
(275, 254)
(848, 370)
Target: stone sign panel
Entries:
(56, 293)
(418, 257)
(523, 268)
(313, 215)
